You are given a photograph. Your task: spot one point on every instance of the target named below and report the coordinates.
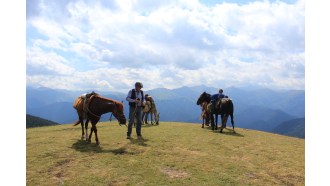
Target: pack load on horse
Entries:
(91, 107)
(222, 106)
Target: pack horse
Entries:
(91, 107)
(224, 107)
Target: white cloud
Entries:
(41, 62)
(166, 44)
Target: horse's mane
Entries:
(208, 96)
(108, 99)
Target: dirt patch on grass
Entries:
(174, 173)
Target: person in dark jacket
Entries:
(136, 101)
(216, 97)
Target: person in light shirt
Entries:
(136, 101)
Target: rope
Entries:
(92, 113)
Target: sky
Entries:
(110, 45)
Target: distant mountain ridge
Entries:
(259, 109)
(294, 127)
(34, 121)
(260, 118)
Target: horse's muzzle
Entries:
(122, 121)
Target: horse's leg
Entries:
(152, 118)
(212, 121)
(142, 118)
(86, 128)
(90, 134)
(146, 118)
(155, 117)
(96, 138)
(216, 121)
(222, 121)
(203, 118)
(232, 121)
(207, 121)
(157, 121)
(81, 120)
(224, 118)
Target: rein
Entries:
(90, 99)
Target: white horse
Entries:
(150, 108)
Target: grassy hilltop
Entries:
(170, 154)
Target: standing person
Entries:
(136, 101)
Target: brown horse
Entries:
(204, 116)
(96, 107)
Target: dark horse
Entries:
(224, 107)
(97, 105)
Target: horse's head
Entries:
(203, 97)
(118, 112)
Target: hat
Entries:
(138, 84)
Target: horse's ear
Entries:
(122, 101)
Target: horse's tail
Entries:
(77, 122)
(231, 104)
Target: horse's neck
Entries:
(208, 98)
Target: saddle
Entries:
(222, 101)
(82, 102)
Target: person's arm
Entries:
(128, 98)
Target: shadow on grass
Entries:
(147, 125)
(83, 146)
(227, 131)
(231, 133)
(139, 141)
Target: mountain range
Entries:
(33, 121)
(254, 108)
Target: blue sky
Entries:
(109, 45)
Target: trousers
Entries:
(134, 113)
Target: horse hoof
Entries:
(97, 143)
(82, 138)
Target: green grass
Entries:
(170, 154)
